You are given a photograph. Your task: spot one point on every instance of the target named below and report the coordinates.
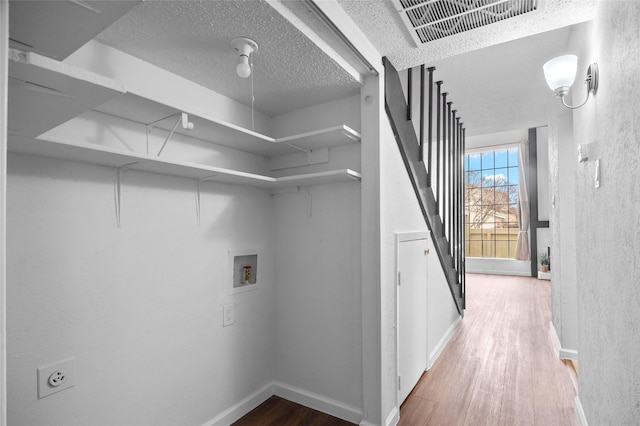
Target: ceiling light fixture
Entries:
(245, 46)
(560, 73)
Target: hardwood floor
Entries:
(276, 411)
(500, 367)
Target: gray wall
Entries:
(608, 264)
(562, 223)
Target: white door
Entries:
(412, 312)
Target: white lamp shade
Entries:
(561, 71)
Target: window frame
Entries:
(491, 243)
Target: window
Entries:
(491, 203)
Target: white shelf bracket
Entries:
(285, 190)
(117, 190)
(183, 119)
(199, 182)
(297, 147)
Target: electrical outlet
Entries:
(227, 315)
(56, 377)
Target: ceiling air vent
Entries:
(429, 20)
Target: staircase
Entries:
(433, 155)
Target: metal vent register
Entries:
(429, 20)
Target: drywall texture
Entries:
(318, 293)
(138, 306)
(562, 166)
(608, 264)
(554, 227)
(542, 155)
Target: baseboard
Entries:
(291, 393)
(317, 402)
(238, 410)
(393, 418)
(497, 272)
(433, 356)
(562, 352)
(580, 412)
(568, 354)
(554, 337)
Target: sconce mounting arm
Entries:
(592, 86)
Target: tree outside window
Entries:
(491, 203)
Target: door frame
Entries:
(4, 60)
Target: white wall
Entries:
(4, 44)
(442, 313)
(342, 111)
(399, 213)
(563, 233)
(318, 315)
(542, 155)
(318, 275)
(329, 114)
(373, 118)
(140, 306)
(148, 296)
(499, 138)
(608, 263)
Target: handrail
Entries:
(443, 210)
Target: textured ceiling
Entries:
(192, 39)
(494, 73)
(502, 87)
(382, 24)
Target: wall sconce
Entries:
(244, 46)
(560, 73)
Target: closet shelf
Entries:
(44, 93)
(94, 154)
(136, 108)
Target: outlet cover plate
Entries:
(67, 370)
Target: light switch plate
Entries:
(227, 315)
(582, 153)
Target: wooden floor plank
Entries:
(500, 367)
(277, 411)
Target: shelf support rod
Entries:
(186, 124)
(117, 187)
(199, 181)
